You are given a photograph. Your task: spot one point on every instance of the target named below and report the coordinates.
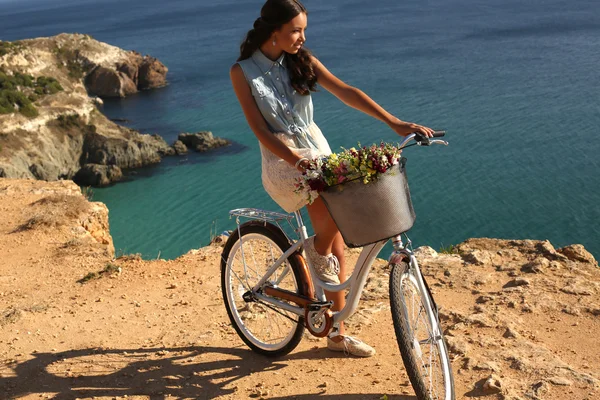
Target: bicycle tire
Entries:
(422, 372)
(260, 233)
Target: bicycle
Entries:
(271, 294)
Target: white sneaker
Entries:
(351, 346)
(326, 267)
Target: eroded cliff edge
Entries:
(520, 316)
(55, 130)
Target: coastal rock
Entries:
(105, 82)
(152, 74)
(132, 152)
(577, 252)
(44, 170)
(98, 175)
(537, 266)
(130, 68)
(202, 141)
(179, 147)
(66, 130)
(425, 252)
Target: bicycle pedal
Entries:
(319, 305)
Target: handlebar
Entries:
(422, 140)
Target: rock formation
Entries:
(520, 317)
(126, 77)
(202, 141)
(68, 132)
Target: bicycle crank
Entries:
(319, 318)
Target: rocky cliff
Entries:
(521, 318)
(50, 127)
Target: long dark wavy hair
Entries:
(273, 15)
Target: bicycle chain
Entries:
(276, 310)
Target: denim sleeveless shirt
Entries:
(283, 108)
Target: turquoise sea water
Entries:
(515, 85)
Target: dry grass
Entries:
(130, 257)
(13, 314)
(56, 210)
(109, 270)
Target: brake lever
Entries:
(438, 141)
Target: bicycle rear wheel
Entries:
(420, 336)
(265, 328)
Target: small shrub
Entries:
(72, 205)
(130, 257)
(48, 85)
(73, 243)
(29, 111)
(6, 107)
(9, 47)
(107, 271)
(450, 249)
(23, 79)
(56, 211)
(88, 193)
(70, 121)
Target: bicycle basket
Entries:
(368, 213)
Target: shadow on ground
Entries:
(179, 372)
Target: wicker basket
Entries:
(373, 212)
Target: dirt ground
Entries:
(521, 319)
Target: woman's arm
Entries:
(255, 119)
(356, 98)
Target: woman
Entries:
(273, 79)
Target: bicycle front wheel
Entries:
(247, 256)
(420, 336)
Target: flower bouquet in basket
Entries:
(365, 190)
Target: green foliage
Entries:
(69, 121)
(74, 121)
(9, 47)
(450, 249)
(49, 85)
(16, 92)
(6, 107)
(11, 98)
(73, 60)
(23, 80)
(29, 111)
(107, 271)
(87, 192)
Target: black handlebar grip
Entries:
(439, 133)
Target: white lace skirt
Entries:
(279, 177)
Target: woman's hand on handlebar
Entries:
(404, 128)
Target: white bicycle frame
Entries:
(356, 282)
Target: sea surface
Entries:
(515, 84)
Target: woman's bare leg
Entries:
(328, 239)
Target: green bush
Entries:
(29, 111)
(48, 85)
(6, 107)
(69, 121)
(11, 92)
(23, 80)
(7, 47)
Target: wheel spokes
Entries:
(425, 338)
(248, 262)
